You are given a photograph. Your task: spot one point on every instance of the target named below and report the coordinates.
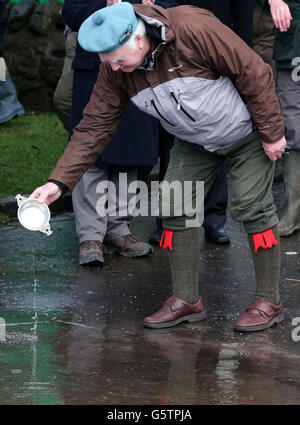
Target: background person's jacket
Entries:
(287, 43)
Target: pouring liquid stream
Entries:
(35, 286)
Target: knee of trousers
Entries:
(179, 216)
(180, 223)
(256, 219)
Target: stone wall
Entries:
(34, 51)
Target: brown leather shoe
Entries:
(127, 246)
(175, 311)
(91, 253)
(258, 316)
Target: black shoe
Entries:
(216, 234)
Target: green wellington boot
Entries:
(290, 220)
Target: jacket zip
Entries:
(155, 107)
(180, 107)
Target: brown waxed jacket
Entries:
(196, 84)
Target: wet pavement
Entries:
(75, 335)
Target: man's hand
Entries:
(281, 14)
(275, 150)
(47, 193)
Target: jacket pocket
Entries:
(286, 43)
(180, 107)
(156, 109)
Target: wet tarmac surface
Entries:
(75, 335)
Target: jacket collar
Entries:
(157, 17)
(158, 29)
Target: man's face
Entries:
(125, 59)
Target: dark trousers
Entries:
(236, 14)
(165, 144)
(3, 16)
(215, 202)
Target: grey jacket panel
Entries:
(209, 113)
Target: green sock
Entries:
(267, 270)
(184, 261)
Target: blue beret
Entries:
(108, 29)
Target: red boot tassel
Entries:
(264, 240)
(166, 239)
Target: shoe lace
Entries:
(92, 244)
(128, 239)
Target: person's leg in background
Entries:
(166, 142)
(236, 14)
(118, 238)
(263, 34)
(242, 19)
(215, 204)
(263, 44)
(288, 91)
(93, 226)
(10, 106)
(62, 98)
(222, 9)
(3, 21)
(71, 96)
(90, 227)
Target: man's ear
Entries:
(139, 39)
